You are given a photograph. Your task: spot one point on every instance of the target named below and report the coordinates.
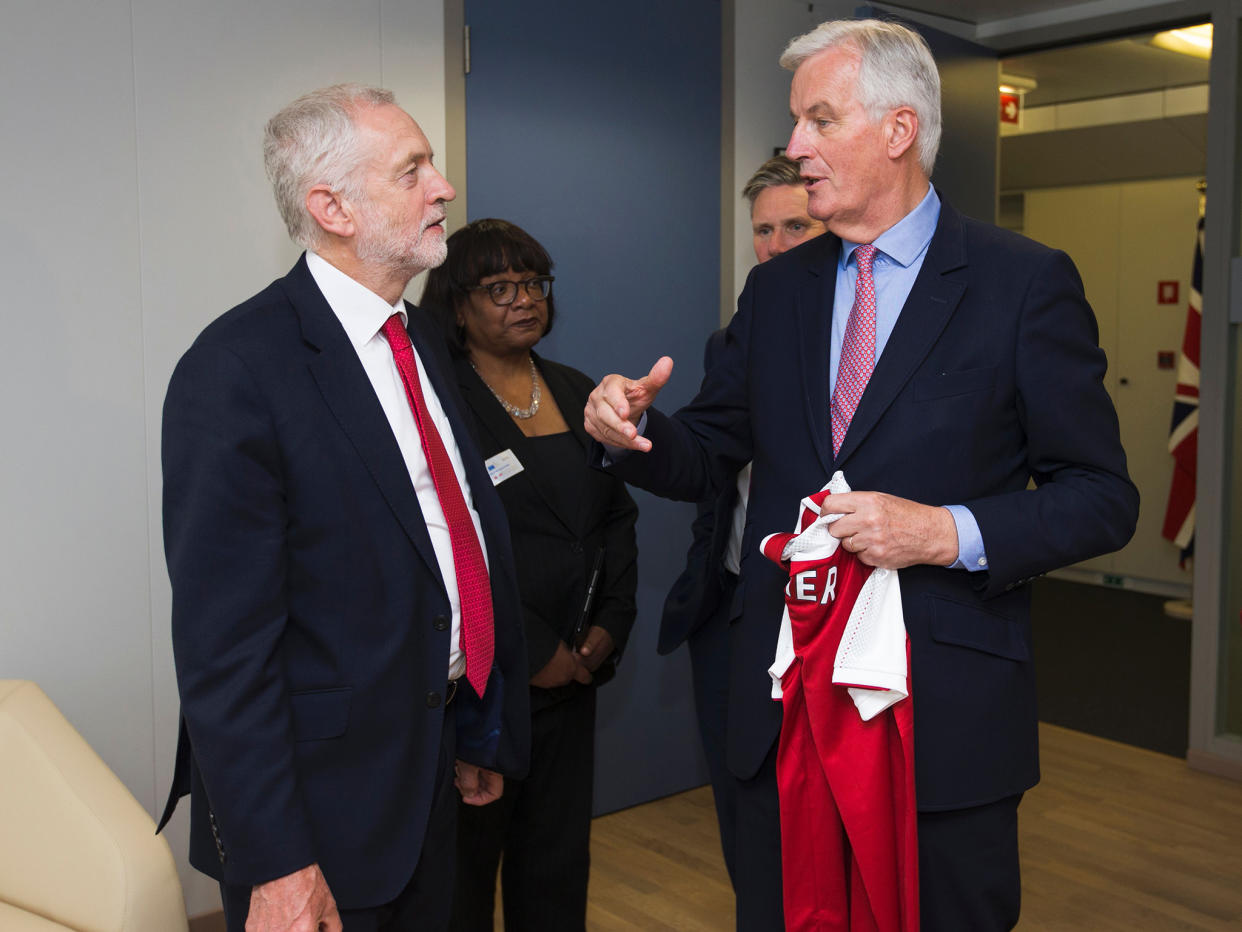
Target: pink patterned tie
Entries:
(473, 587)
(857, 349)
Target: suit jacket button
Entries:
(433, 700)
(576, 547)
(441, 623)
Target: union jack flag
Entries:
(1179, 516)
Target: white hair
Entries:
(314, 141)
(896, 69)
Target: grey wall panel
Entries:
(1105, 154)
(615, 173)
(73, 556)
(139, 211)
(761, 103)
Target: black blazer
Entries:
(310, 623)
(992, 378)
(555, 550)
(698, 594)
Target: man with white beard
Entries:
(346, 623)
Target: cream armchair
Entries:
(77, 851)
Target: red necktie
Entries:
(473, 587)
(857, 349)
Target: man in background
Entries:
(702, 600)
(779, 220)
(346, 621)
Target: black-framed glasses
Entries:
(504, 293)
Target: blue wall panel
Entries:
(598, 130)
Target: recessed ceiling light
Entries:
(1192, 40)
(1016, 84)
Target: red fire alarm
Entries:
(1010, 108)
(1166, 293)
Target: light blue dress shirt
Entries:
(900, 251)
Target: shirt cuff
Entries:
(970, 553)
(613, 454)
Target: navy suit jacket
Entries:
(992, 378)
(310, 621)
(698, 594)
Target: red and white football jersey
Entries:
(845, 764)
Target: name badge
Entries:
(503, 466)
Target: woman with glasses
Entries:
(573, 539)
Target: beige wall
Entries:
(1125, 238)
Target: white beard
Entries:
(380, 241)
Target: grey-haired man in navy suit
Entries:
(986, 375)
(330, 560)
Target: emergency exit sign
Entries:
(1010, 108)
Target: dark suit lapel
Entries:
(349, 395)
(814, 295)
(927, 310)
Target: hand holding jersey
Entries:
(884, 530)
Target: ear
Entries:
(901, 128)
(331, 211)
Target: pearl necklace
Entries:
(520, 413)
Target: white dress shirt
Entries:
(362, 313)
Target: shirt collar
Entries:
(907, 239)
(360, 310)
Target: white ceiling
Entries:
(1103, 69)
(1118, 65)
(984, 11)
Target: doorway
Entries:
(1103, 154)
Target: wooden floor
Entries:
(1114, 838)
(1118, 838)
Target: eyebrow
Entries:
(415, 158)
(817, 108)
